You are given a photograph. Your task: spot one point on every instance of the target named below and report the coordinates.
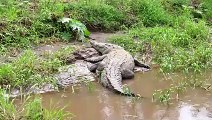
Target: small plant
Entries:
(163, 96)
(90, 85)
(7, 109)
(126, 89)
(35, 111)
(76, 27)
(166, 95)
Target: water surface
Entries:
(102, 104)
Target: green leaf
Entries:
(66, 35)
(76, 26)
(86, 32)
(65, 20)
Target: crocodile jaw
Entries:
(100, 47)
(103, 47)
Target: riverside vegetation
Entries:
(178, 32)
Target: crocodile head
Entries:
(103, 47)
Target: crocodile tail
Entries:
(112, 76)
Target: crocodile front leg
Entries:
(95, 59)
(127, 74)
(96, 66)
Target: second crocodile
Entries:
(114, 65)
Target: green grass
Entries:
(97, 16)
(35, 111)
(7, 108)
(150, 12)
(30, 109)
(180, 48)
(29, 69)
(113, 15)
(24, 23)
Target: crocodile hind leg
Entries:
(103, 78)
(127, 74)
(137, 63)
(96, 61)
(101, 73)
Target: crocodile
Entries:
(113, 65)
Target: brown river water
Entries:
(102, 104)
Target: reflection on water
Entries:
(189, 112)
(101, 104)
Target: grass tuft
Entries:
(31, 109)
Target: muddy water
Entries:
(101, 104)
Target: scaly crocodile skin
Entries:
(116, 59)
